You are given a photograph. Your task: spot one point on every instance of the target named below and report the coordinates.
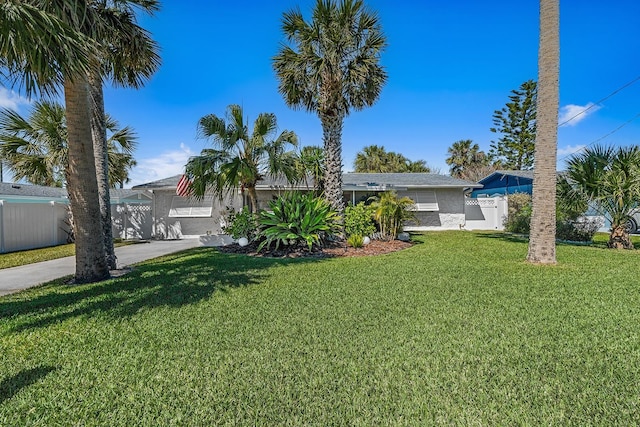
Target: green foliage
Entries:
(516, 122)
(570, 225)
(375, 159)
(465, 158)
(241, 224)
(519, 213)
(609, 178)
(358, 219)
(355, 241)
(295, 219)
(391, 212)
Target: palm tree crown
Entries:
(239, 159)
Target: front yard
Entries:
(455, 330)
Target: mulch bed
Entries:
(331, 250)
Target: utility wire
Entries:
(600, 101)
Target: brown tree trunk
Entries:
(542, 238)
(253, 198)
(332, 180)
(619, 238)
(100, 151)
(82, 187)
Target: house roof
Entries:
(350, 181)
(19, 191)
(499, 174)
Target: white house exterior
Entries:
(440, 201)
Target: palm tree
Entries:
(239, 159)
(42, 47)
(375, 159)
(464, 155)
(311, 165)
(610, 179)
(542, 238)
(331, 66)
(36, 149)
(128, 57)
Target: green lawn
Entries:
(456, 330)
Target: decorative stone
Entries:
(366, 240)
(404, 237)
(243, 241)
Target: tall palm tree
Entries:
(239, 159)
(464, 154)
(128, 56)
(610, 180)
(542, 238)
(42, 46)
(372, 158)
(36, 150)
(331, 66)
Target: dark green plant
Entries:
(355, 241)
(581, 230)
(391, 212)
(241, 224)
(358, 219)
(519, 213)
(297, 218)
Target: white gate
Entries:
(485, 213)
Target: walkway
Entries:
(18, 278)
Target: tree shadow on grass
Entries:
(13, 384)
(171, 281)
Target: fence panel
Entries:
(485, 213)
(31, 225)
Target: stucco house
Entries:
(440, 201)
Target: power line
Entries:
(600, 101)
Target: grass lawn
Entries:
(14, 259)
(456, 330)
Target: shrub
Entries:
(519, 213)
(391, 212)
(241, 224)
(355, 241)
(297, 218)
(581, 230)
(358, 219)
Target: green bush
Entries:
(391, 212)
(241, 224)
(358, 219)
(355, 241)
(296, 219)
(581, 230)
(519, 213)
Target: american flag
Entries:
(184, 187)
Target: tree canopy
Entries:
(375, 159)
(516, 125)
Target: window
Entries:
(184, 207)
(426, 200)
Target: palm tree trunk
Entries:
(542, 239)
(332, 136)
(99, 136)
(91, 265)
(619, 238)
(253, 198)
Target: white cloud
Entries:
(573, 114)
(10, 99)
(569, 150)
(166, 164)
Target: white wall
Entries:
(486, 213)
(449, 216)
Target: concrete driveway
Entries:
(18, 278)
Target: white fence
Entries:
(31, 225)
(485, 213)
(38, 224)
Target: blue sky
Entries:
(450, 65)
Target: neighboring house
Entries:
(34, 216)
(440, 202)
(504, 182)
